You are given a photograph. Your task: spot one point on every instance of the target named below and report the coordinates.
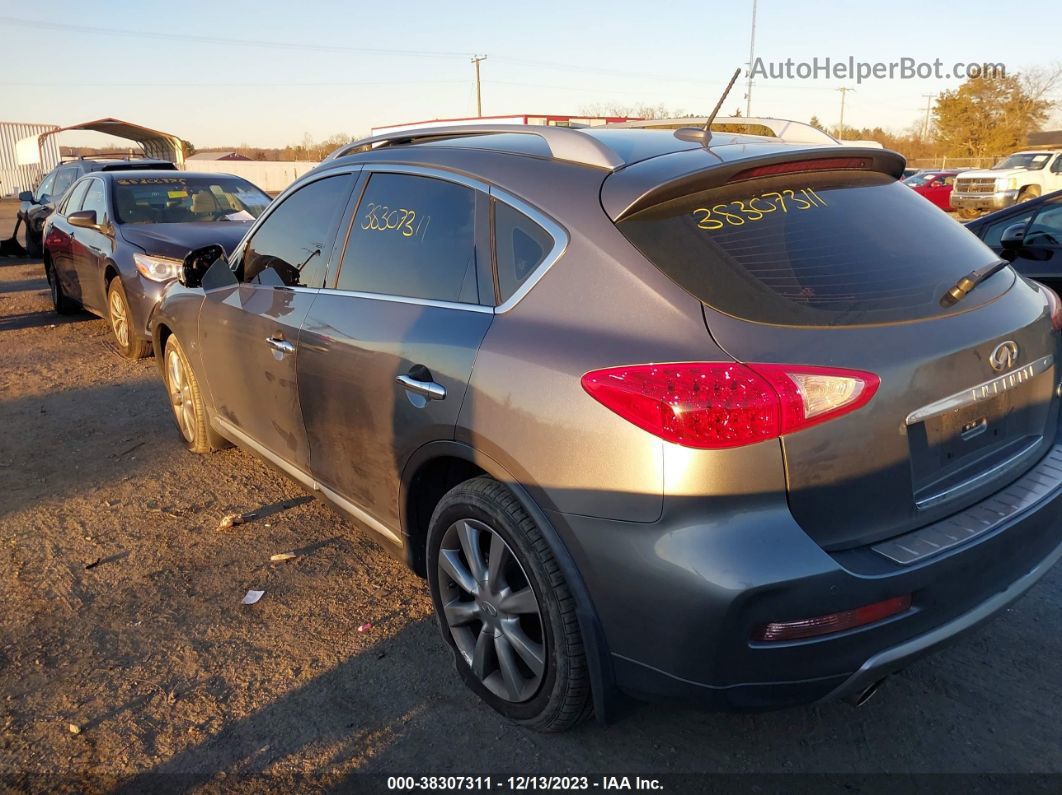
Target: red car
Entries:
(934, 185)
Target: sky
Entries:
(268, 73)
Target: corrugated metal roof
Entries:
(156, 144)
(14, 177)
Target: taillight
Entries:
(716, 405)
(1054, 303)
(832, 622)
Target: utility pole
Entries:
(752, 48)
(479, 97)
(844, 93)
(925, 127)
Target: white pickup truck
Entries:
(1016, 178)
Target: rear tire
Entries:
(504, 607)
(186, 400)
(125, 338)
(60, 303)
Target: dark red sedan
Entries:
(934, 185)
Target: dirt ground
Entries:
(120, 617)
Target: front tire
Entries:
(129, 344)
(1028, 193)
(504, 607)
(186, 400)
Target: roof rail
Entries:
(565, 143)
(784, 129)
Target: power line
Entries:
(272, 44)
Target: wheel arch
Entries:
(419, 494)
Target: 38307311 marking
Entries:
(756, 208)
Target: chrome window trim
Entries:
(298, 184)
(426, 171)
(553, 229)
(403, 299)
(984, 391)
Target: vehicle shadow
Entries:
(39, 319)
(24, 285)
(101, 445)
(398, 707)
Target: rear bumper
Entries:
(893, 659)
(983, 201)
(678, 599)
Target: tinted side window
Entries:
(521, 245)
(64, 178)
(96, 200)
(994, 231)
(44, 190)
(73, 203)
(414, 237)
(294, 241)
(1046, 227)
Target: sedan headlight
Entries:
(158, 269)
(1006, 183)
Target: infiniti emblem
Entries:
(490, 609)
(1005, 356)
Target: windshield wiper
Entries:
(967, 283)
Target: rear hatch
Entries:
(833, 263)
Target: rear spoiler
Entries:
(661, 179)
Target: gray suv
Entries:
(723, 418)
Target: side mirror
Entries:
(86, 219)
(1011, 241)
(27, 196)
(201, 260)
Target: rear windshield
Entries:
(824, 249)
(181, 199)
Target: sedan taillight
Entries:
(716, 405)
(1054, 303)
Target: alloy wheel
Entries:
(180, 395)
(491, 610)
(119, 319)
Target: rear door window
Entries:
(818, 249)
(413, 237)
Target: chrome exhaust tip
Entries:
(862, 697)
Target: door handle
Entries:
(280, 345)
(429, 389)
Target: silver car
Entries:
(730, 419)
